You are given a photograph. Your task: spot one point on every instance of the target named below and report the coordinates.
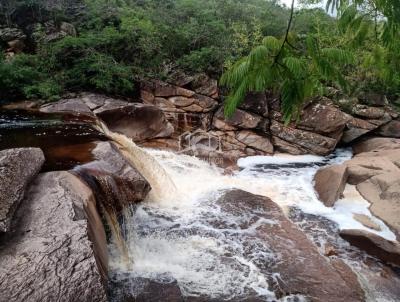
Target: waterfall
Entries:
(163, 188)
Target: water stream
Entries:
(194, 241)
(184, 235)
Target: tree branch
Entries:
(287, 32)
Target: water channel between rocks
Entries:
(211, 250)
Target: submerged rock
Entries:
(49, 256)
(18, 167)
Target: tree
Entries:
(299, 68)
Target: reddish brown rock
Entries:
(74, 106)
(391, 129)
(240, 120)
(361, 168)
(137, 121)
(323, 118)
(257, 103)
(330, 183)
(255, 141)
(385, 250)
(383, 192)
(303, 270)
(376, 144)
(310, 142)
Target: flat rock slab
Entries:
(49, 256)
(17, 169)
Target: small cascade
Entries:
(163, 188)
(111, 194)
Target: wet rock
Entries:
(18, 167)
(367, 221)
(301, 141)
(303, 270)
(383, 192)
(391, 129)
(240, 120)
(385, 250)
(137, 121)
(49, 257)
(144, 290)
(115, 183)
(330, 183)
(375, 144)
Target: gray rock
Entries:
(49, 257)
(18, 167)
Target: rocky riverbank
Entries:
(56, 225)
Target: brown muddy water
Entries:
(66, 140)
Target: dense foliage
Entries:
(119, 42)
(356, 52)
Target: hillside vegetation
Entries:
(116, 43)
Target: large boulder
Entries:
(375, 144)
(240, 120)
(323, 118)
(301, 268)
(300, 141)
(257, 103)
(114, 182)
(362, 168)
(330, 183)
(391, 129)
(138, 121)
(49, 257)
(383, 192)
(387, 251)
(18, 167)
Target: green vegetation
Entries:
(248, 43)
(356, 52)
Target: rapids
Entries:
(193, 240)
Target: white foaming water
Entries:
(206, 249)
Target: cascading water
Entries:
(186, 235)
(192, 239)
(163, 188)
